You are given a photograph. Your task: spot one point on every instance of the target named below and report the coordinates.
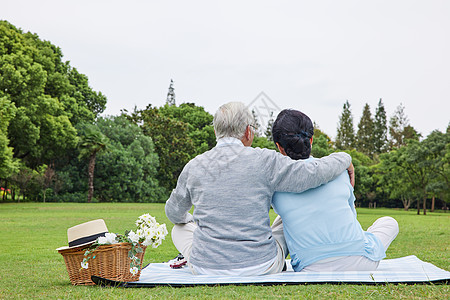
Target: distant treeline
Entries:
(55, 146)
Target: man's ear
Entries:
(248, 132)
(281, 149)
(247, 139)
(311, 140)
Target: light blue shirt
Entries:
(321, 223)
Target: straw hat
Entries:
(85, 234)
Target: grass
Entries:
(31, 268)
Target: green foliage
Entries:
(345, 138)
(85, 97)
(417, 169)
(49, 96)
(399, 129)
(263, 142)
(322, 145)
(179, 134)
(92, 140)
(127, 172)
(189, 113)
(44, 101)
(7, 164)
(393, 181)
(28, 181)
(365, 136)
(438, 145)
(268, 132)
(199, 123)
(363, 175)
(256, 126)
(172, 143)
(380, 129)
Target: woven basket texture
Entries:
(110, 262)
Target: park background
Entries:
(88, 113)
(57, 145)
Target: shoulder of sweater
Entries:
(266, 152)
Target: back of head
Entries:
(293, 130)
(231, 120)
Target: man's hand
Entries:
(351, 174)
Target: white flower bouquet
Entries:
(147, 233)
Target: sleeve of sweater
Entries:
(179, 203)
(287, 175)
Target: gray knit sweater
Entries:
(231, 187)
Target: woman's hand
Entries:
(351, 174)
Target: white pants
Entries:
(385, 228)
(182, 236)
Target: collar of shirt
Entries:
(226, 141)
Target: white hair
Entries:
(231, 120)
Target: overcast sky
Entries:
(306, 55)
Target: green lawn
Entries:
(31, 268)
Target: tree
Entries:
(263, 142)
(49, 96)
(399, 129)
(256, 125)
(380, 129)
(7, 163)
(91, 143)
(173, 143)
(438, 145)
(198, 121)
(23, 179)
(345, 138)
(268, 132)
(88, 104)
(415, 163)
(127, 171)
(365, 136)
(363, 175)
(417, 170)
(45, 177)
(322, 145)
(392, 179)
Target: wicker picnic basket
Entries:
(111, 262)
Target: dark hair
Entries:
(293, 130)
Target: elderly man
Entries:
(231, 187)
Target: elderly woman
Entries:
(320, 225)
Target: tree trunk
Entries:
(406, 203)
(91, 168)
(425, 205)
(432, 203)
(418, 206)
(5, 192)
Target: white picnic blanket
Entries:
(407, 269)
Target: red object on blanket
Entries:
(178, 264)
